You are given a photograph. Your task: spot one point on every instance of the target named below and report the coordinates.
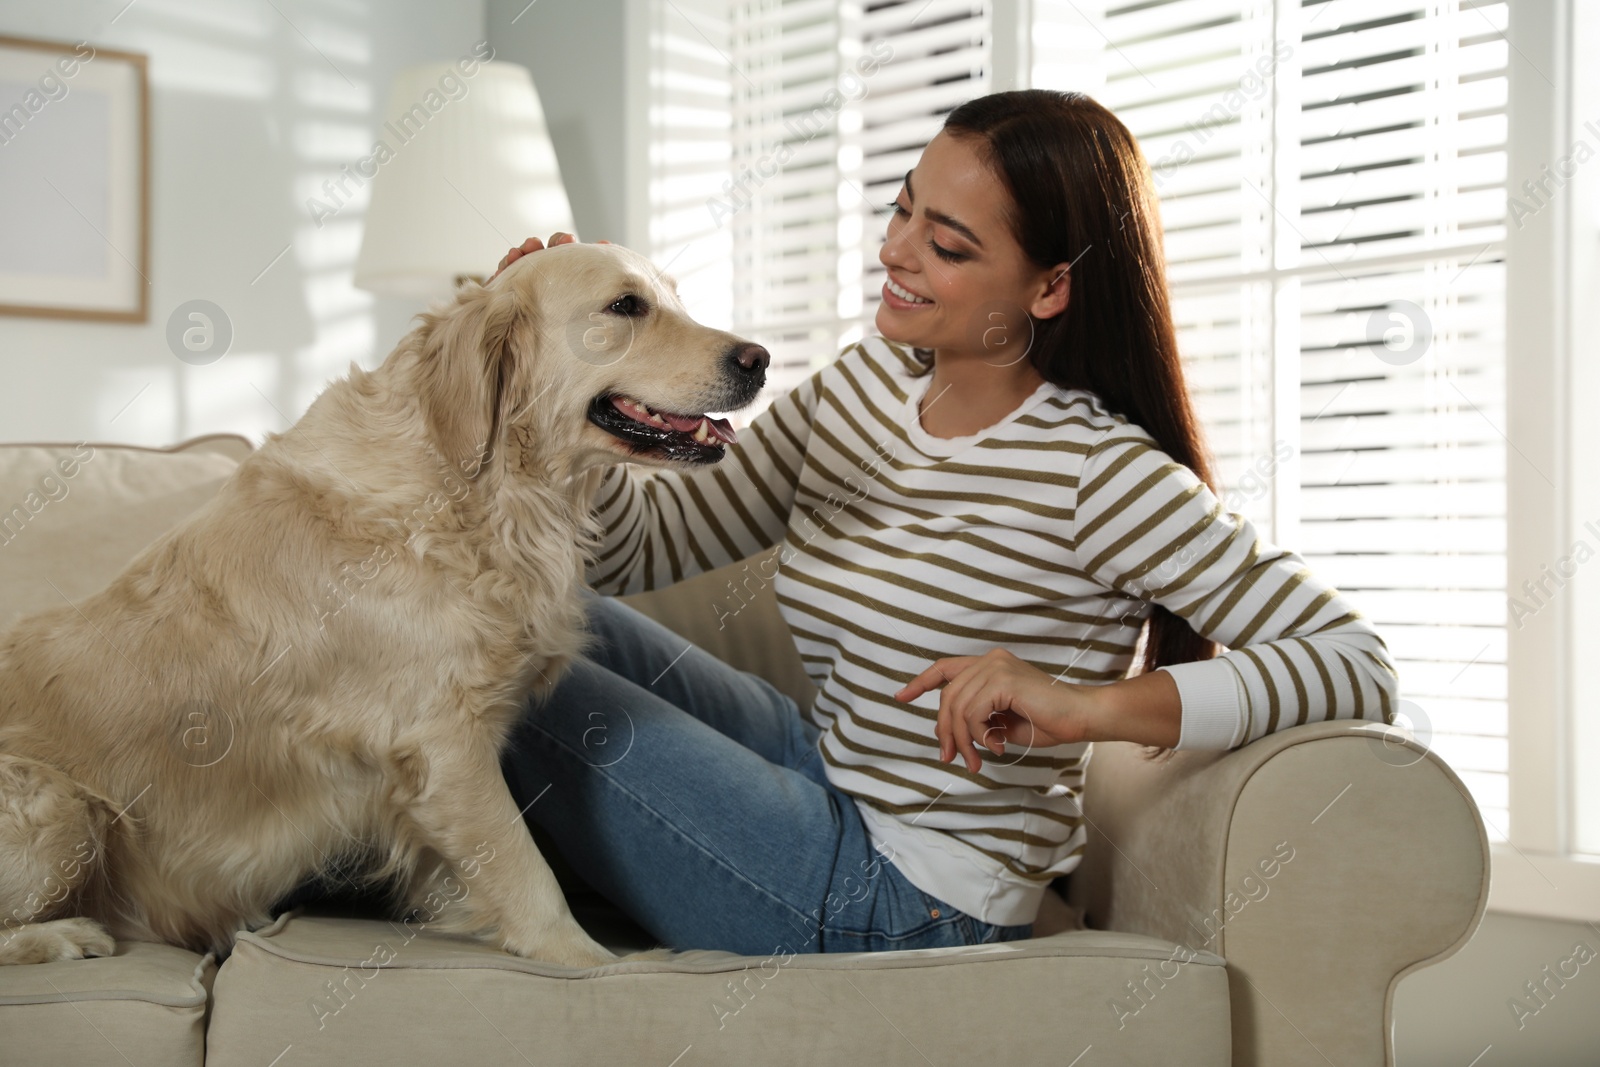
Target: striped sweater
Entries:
(1049, 534)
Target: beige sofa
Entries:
(1249, 907)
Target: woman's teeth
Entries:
(905, 294)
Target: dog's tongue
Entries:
(722, 429)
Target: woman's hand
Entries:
(533, 244)
(995, 699)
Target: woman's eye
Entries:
(946, 254)
(629, 305)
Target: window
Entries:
(779, 132)
(689, 145)
(1333, 177)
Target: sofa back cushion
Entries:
(72, 515)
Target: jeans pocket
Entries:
(952, 926)
(915, 920)
(941, 924)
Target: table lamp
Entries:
(464, 170)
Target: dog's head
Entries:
(576, 356)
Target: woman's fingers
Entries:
(959, 695)
(949, 727)
(963, 742)
(937, 673)
(983, 711)
(984, 726)
(993, 701)
(532, 244)
(941, 731)
(951, 731)
(998, 729)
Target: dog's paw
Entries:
(75, 939)
(581, 956)
(60, 939)
(576, 951)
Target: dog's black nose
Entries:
(752, 357)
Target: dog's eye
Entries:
(629, 305)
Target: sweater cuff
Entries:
(1213, 701)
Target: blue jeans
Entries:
(693, 797)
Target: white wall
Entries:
(253, 105)
(577, 54)
(1453, 1013)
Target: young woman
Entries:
(974, 519)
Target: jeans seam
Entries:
(647, 806)
(933, 924)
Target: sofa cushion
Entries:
(72, 516)
(146, 1004)
(343, 990)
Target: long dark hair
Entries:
(1082, 193)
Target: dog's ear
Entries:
(470, 373)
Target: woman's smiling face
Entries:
(952, 260)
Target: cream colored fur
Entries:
(325, 660)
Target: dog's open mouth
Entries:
(668, 434)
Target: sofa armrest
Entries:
(1323, 862)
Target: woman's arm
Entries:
(664, 525)
(1146, 526)
(1298, 651)
(997, 699)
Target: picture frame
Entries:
(74, 181)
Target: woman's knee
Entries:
(561, 711)
(620, 633)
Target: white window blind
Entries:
(690, 150)
(780, 130)
(1335, 243)
(941, 59)
(789, 107)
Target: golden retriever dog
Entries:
(321, 665)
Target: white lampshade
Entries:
(469, 172)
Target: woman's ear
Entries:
(470, 375)
(1054, 292)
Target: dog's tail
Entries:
(53, 836)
